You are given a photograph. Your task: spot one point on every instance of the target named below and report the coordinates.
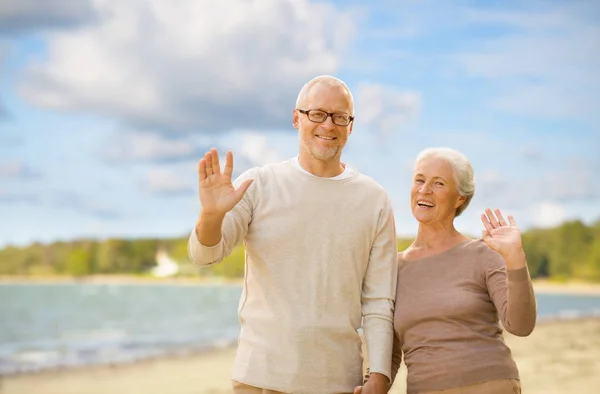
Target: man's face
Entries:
(324, 141)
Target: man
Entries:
(320, 254)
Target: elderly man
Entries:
(320, 256)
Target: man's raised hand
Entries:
(216, 191)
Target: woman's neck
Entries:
(437, 237)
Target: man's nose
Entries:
(328, 123)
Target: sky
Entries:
(106, 106)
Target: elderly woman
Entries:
(453, 291)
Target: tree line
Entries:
(568, 251)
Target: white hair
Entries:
(327, 80)
(462, 168)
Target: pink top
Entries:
(448, 313)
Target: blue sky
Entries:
(105, 107)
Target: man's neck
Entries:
(321, 168)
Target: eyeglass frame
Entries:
(329, 114)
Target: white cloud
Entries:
(169, 181)
(88, 205)
(255, 150)
(139, 146)
(569, 185)
(489, 183)
(385, 109)
(537, 58)
(22, 15)
(15, 197)
(250, 149)
(3, 53)
(547, 214)
(554, 101)
(532, 153)
(16, 169)
(546, 60)
(201, 66)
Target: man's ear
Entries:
(296, 120)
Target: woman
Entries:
(453, 291)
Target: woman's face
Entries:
(434, 193)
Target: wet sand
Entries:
(558, 357)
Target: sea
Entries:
(49, 326)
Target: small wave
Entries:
(35, 357)
(73, 356)
(99, 335)
(569, 314)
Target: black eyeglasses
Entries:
(318, 116)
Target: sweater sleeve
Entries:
(512, 293)
(378, 294)
(234, 229)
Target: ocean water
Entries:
(66, 325)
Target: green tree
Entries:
(111, 256)
(78, 262)
(536, 244)
(404, 243)
(58, 255)
(232, 266)
(569, 251)
(12, 261)
(141, 255)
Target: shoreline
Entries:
(92, 367)
(156, 375)
(541, 286)
(169, 355)
(230, 347)
(557, 357)
(544, 286)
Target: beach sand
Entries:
(559, 357)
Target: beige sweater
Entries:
(448, 309)
(320, 254)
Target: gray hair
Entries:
(462, 168)
(326, 80)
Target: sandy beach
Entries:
(559, 357)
